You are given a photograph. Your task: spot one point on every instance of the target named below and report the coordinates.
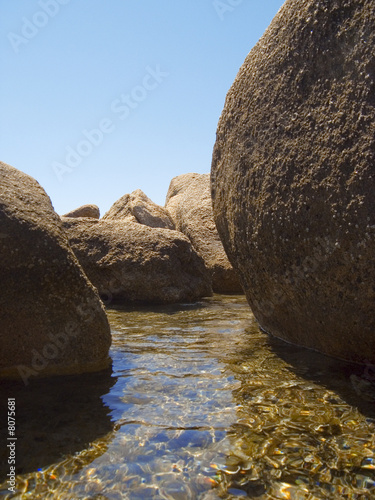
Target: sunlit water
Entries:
(199, 404)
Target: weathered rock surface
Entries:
(51, 318)
(132, 262)
(293, 177)
(91, 211)
(190, 205)
(137, 207)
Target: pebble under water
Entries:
(198, 404)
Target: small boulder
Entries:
(137, 207)
(190, 205)
(90, 211)
(131, 262)
(51, 318)
(293, 177)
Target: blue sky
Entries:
(101, 97)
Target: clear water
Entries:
(199, 404)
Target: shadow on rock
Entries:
(354, 383)
(157, 308)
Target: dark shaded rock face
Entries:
(132, 262)
(137, 207)
(190, 205)
(51, 318)
(91, 211)
(293, 177)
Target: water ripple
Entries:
(200, 405)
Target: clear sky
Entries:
(102, 97)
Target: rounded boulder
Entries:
(293, 177)
(52, 321)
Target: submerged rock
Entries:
(190, 205)
(51, 318)
(132, 262)
(137, 207)
(91, 211)
(293, 177)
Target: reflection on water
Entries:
(55, 419)
(200, 405)
(303, 429)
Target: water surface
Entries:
(199, 404)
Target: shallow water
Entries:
(199, 404)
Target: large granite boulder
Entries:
(190, 205)
(51, 318)
(91, 211)
(132, 262)
(137, 207)
(293, 177)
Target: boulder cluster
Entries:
(291, 196)
(57, 271)
(142, 252)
